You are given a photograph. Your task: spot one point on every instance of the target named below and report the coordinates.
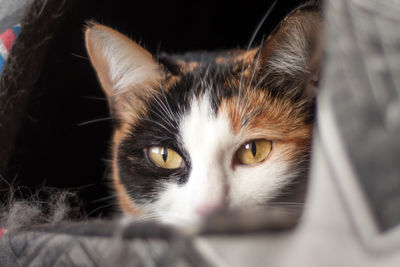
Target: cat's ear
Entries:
(120, 63)
(124, 68)
(291, 49)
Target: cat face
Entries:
(201, 132)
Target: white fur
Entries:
(214, 182)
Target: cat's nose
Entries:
(210, 207)
(209, 190)
(211, 202)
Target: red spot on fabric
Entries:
(7, 38)
(1, 232)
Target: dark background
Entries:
(57, 145)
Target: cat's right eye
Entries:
(254, 151)
(164, 157)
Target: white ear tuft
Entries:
(120, 63)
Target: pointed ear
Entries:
(124, 69)
(290, 49)
(119, 62)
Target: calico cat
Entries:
(205, 131)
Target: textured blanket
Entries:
(112, 243)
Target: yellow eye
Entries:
(254, 151)
(164, 157)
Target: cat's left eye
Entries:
(254, 151)
(165, 157)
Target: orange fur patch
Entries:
(260, 116)
(187, 66)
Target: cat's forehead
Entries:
(199, 64)
(217, 74)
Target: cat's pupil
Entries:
(253, 148)
(164, 153)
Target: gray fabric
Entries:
(111, 243)
(49, 249)
(11, 12)
(364, 61)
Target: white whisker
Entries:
(94, 120)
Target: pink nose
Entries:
(207, 208)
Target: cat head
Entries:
(201, 132)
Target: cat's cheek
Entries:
(255, 186)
